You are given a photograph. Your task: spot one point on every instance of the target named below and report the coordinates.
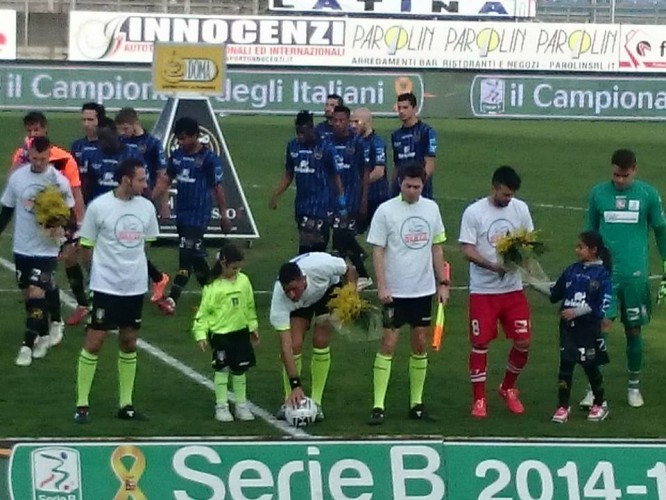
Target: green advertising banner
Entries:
(280, 92)
(563, 470)
(234, 470)
(440, 94)
(361, 470)
(570, 97)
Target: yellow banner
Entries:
(188, 68)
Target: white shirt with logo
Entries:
(482, 224)
(119, 230)
(407, 232)
(30, 239)
(321, 271)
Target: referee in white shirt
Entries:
(115, 230)
(301, 294)
(407, 233)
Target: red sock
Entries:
(478, 362)
(516, 363)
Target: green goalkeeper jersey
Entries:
(623, 218)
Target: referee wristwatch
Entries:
(444, 283)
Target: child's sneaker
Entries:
(222, 413)
(24, 357)
(562, 414)
(42, 345)
(56, 332)
(598, 412)
(242, 412)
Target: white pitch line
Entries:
(531, 204)
(185, 370)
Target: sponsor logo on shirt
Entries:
(184, 176)
(499, 228)
(620, 202)
(304, 168)
(415, 233)
(129, 231)
(620, 217)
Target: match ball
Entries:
(301, 415)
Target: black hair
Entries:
(624, 158)
(506, 176)
(408, 96)
(336, 96)
(304, 119)
(288, 273)
(592, 239)
(35, 118)
(186, 125)
(40, 144)
(342, 109)
(414, 169)
(97, 108)
(107, 123)
(228, 254)
(127, 168)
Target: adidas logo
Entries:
(130, 413)
(419, 413)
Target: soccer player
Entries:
(310, 161)
(496, 294)
(374, 156)
(622, 211)
(131, 132)
(300, 295)
(324, 129)
(116, 228)
(350, 166)
(198, 172)
(91, 114)
(406, 235)
(35, 255)
(415, 140)
(36, 125)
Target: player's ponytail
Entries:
(593, 239)
(228, 254)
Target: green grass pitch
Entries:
(559, 162)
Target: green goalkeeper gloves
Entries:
(661, 294)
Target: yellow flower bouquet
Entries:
(518, 251)
(517, 248)
(354, 316)
(51, 212)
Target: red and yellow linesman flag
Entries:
(439, 329)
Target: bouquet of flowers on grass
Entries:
(51, 212)
(518, 251)
(353, 316)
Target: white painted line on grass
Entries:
(189, 372)
(531, 204)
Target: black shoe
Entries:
(82, 415)
(376, 417)
(419, 412)
(129, 413)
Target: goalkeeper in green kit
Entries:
(623, 211)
